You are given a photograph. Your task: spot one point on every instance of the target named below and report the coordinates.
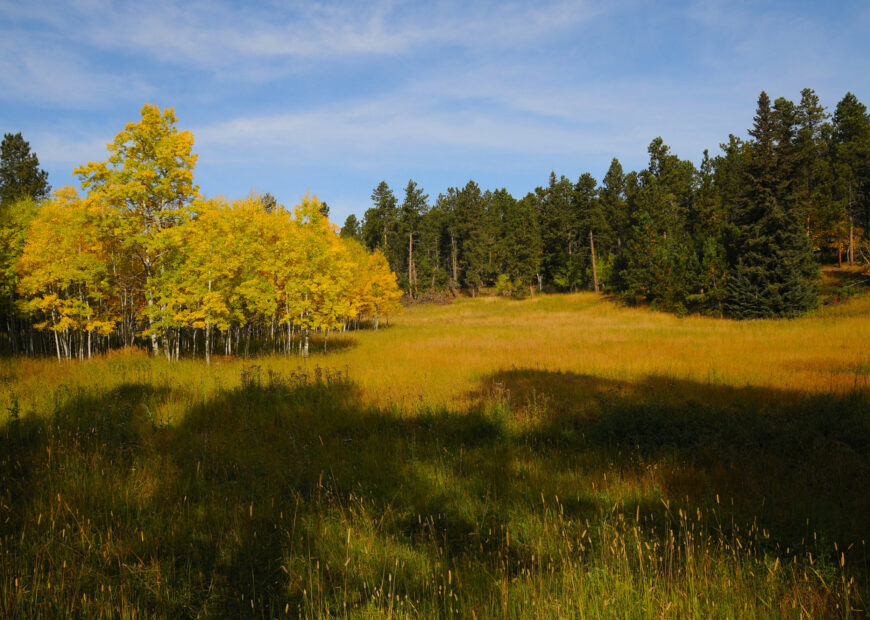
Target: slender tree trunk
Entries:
(89, 343)
(412, 271)
(56, 339)
(839, 252)
(155, 349)
(305, 334)
(851, 242)
(207, 343)
(453, 258)
(594, 268)
(325, 336)
(167, 346)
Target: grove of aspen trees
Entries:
(140, 256)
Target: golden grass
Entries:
(550, 457)
(438, 355)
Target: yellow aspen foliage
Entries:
(142, 255)
(143, 189)
(63, 272)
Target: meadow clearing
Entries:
(554, 456)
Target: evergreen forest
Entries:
(742, 235)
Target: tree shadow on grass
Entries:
(295, 496)
(798, 463)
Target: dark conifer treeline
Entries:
(742, 235)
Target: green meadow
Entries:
(558, 456)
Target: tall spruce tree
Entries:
(20, 175)
(851, 169)
(350, 230)
(413, 208)
(379, 228)
(774, 272)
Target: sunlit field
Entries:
(554, 456)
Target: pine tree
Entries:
(774, 270)
(350, 229)
(20, 175)
(851, 169)
(413, 208)
(613, 204)
(379, 228)
(559, 228)
(519, 240)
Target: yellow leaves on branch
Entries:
(239, 263)
(63, 271)
(142, 249)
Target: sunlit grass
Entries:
(552, 457)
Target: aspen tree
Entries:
(145, 188)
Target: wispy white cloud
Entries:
(48, 75)
(66, 150)
(217, 34)
(471, 117)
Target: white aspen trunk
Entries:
(289, 348)
(155, 349)
(305, 334)
(56, 339)
(207, 343)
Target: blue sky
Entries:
(333, 97)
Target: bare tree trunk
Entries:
(839, 252)
(412, 269)
(594, 268)
(56, 339)
(208, 343)
(453, 258)
(305, 334)
(851, 242)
